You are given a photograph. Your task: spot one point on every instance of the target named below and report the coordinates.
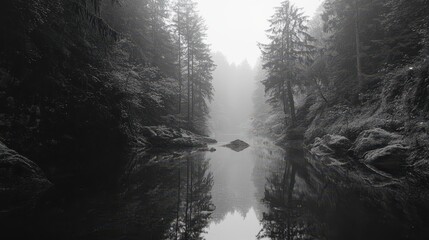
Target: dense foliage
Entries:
(351, 50)
(79, 78)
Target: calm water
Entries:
(262, 192)
(239, 179)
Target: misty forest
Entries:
(203, 119)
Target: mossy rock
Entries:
(373, 139)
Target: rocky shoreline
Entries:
(22, 180)
(376, 148)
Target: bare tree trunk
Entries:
(180, 66)
(189, 81)
(357, 36)
(192, 86)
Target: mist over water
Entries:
(232, 105)
(317, 111)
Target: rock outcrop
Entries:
(21, 180)
(378, 149)
(382, 150)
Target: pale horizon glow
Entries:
(236, 26)
(235, 227)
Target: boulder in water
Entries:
(237, 145)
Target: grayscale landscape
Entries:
(214, 119)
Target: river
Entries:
(262, 192)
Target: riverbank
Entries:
(22, 181)
(141, 203)
(386, 130)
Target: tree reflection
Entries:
(286, 217)
(311, 200)
(170, 198)
(193, 201)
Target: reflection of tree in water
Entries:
(285, 217)
(309, 200)
(193, 199)
(142, 206)
(170, 199)
(266, 155)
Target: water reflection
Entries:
(235, 226)
(178, 205)
(306, 199)
(286, 218)
(262, 192)
(159, 196)
(194, 206)
(239, 181)
(233, 189)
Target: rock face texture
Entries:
(237, 145)
(20, 179)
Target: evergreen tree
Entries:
(287, 54)
(198, 65)
(145, 23)
(355, 36)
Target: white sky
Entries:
(235, 26)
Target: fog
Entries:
(232, 106)
(234, 29)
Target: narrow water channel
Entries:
(262, 192)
